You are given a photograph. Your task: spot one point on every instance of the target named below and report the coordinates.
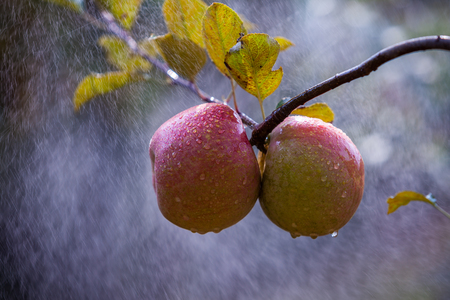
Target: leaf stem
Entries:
(108, 23)
(441, 210)
(261, 130)
(233, 92)
(262, 109)
(365, 68)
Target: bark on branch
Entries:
(261, 130)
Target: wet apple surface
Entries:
(205, 172)
(313, 180)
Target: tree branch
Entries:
(261, 130)
(111, 25)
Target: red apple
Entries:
(313, 180)
(205, 172)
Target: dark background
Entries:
(78, 215)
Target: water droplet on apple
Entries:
(207, 147)
(221, 131)
(188, 143)
(334, 234)
(244, 182)
(295, 234)
(324, 178)
(328, 162)
(294, 225)
(313, 236)
(177, 199)
(199, 141)
(336, 166)
(202, 176)
(242, 146)
(217, 230)
(174, 154)
(344, 194)
(194, 230)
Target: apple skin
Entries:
(313, 180)
(205, 173)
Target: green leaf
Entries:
(76, 5)
(99, 84)
(120, 55)
(317, 110)
(403, 198)
(222, 27)
(125, 11)
(182, 55)
(284, 43)
(250, 64)
(184, 19)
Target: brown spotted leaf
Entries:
(120, 55)
(125, 11)
(184, 19)
(317, 110)
(403, 198)
(99, 84)
(284, 43)
(182, 55)
(76, 5)
(250, 64)
(222, 27)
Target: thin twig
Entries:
(114, 28)
(441, 210)
(261, 131)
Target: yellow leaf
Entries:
(76, 5)
(284, 43)
(99, 84)
(120, 55)
(247, 24)
(182, 55)
(125, 11)
(403, 198)
(149, 46)
(250, 63)
(222, 27)
(184, 19)
(317, 110)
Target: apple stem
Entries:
(261, 130)
(108, 23)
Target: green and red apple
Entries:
(313, 179)
(205, 173)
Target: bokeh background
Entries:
(78, 215)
